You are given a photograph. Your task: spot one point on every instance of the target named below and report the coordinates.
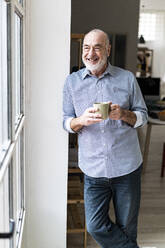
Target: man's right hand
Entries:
(89, 117)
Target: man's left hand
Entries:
(116, 112)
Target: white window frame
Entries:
(4, 132)
(16, 130)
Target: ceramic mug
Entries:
(103, 109)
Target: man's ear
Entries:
(109, 50)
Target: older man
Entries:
(109, 152)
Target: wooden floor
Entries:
(151, 232)
(152, 212)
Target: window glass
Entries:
(3, 81)
(21, 2)
(19, 183)
(147, 25)
(11, 197)
(4, 208)
(17, 68)
(151, 26)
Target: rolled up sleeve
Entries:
(139, 119)
(137, 103)
(68, 108)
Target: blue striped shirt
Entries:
(109, 148)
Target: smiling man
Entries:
(109, 152)
(96, 49)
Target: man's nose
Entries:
(91, 51)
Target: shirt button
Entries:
(102, 131)
(104, 144)
(98, 91)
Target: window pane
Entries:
(152, 25)
(18, 182)
(11, 197)
(147, 26)
(18, 67)
(4, 208)
(16, 189)
(3, 81)
(21, 2)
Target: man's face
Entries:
(95, 52)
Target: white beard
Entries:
(97, 67)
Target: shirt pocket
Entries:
(122, 97)
(84, 99)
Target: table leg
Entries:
(146, 147)
(163, 161)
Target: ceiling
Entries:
(158, 5)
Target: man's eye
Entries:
(97, 48)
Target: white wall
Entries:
(48, 38)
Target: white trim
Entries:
(6, 161)
(10, 152)
(19, 127)
(18, 8)
(21, 229)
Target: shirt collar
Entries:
(109, 70)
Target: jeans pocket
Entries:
(96, 181)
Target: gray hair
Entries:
(107, 40)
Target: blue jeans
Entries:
(125, 193)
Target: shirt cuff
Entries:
(67, 125)
(139, 120)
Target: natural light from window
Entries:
(147, 26)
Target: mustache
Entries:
(96, 67)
